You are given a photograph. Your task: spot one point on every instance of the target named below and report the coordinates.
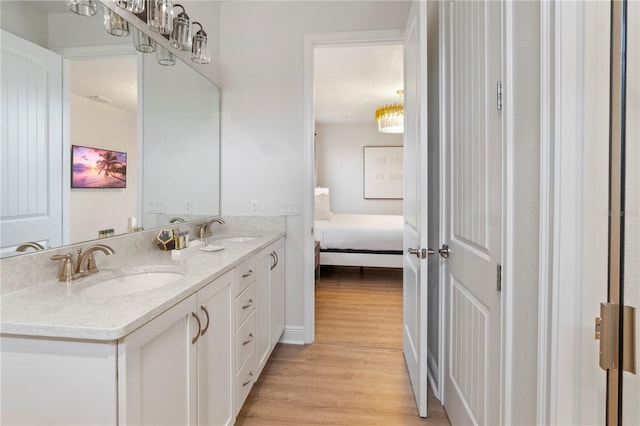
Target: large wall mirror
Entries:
(113, 104)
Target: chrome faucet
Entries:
(176, 219)
(204, 227)
(31, 244)
(83, 266)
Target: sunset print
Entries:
(98, 168)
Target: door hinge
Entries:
(499, 96)
(606, 331)
(499, 277)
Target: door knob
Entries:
(421, 253)
(444, 251)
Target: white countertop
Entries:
(55, 309)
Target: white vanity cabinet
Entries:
(269, 300)
(177, 368)
(245, 329)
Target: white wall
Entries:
(525, 181)
(262, 107)
(339, 166)
(102, 126)
(19, 18)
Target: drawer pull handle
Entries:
(248, 305)
(249, 340)
(206, 327)
(195, 339)
(247, 274)
(250, 379)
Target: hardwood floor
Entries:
(354, 373)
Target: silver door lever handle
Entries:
(444, 251)
(421, 253)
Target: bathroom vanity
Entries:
(186, 352)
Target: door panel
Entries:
(475, 190)
(31, 145)
(415, 213)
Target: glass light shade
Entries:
(390, 118)
(164, 57)
(200, 47)
(142, 42)
(83, 7)
(181, 34)
(160, 16)
(135, 6)
(115, 24)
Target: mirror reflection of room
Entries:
(97, 93)
(103, 120)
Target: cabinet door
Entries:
(157, 370)
(262, 339)
(276, 289)
(215, 375)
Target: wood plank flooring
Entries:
(354, 373)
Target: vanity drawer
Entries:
(245, 340)
(245, 304)
(245, 274)
(245, 379)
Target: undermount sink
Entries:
(236, 239)
(131, 283)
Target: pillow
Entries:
(322, 191)
(322, 210)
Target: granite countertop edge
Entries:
(55, 310)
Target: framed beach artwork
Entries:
(98, 168)
(383, 172)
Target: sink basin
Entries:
(131, 284)
(237, 239)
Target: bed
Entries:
(360, 240)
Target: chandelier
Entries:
(390, 118)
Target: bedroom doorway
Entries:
(316, 157)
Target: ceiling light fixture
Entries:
(102, 99)
(390, 118)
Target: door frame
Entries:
(311, 41)
(571, 282)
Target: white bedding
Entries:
(360, 232)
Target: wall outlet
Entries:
(188, 205)
(254, 207)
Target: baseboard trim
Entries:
(293, 335)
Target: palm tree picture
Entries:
(98, 168)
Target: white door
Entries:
(472, 379)
(415, 203)
(31, 205)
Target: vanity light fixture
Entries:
(164, 57)
(83, 7)
(160, 16)
(115, 24)
(181, 34)
(200, 47)
(142, 42)
(134, 6)
(390, 118)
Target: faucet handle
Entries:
(68, 268)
